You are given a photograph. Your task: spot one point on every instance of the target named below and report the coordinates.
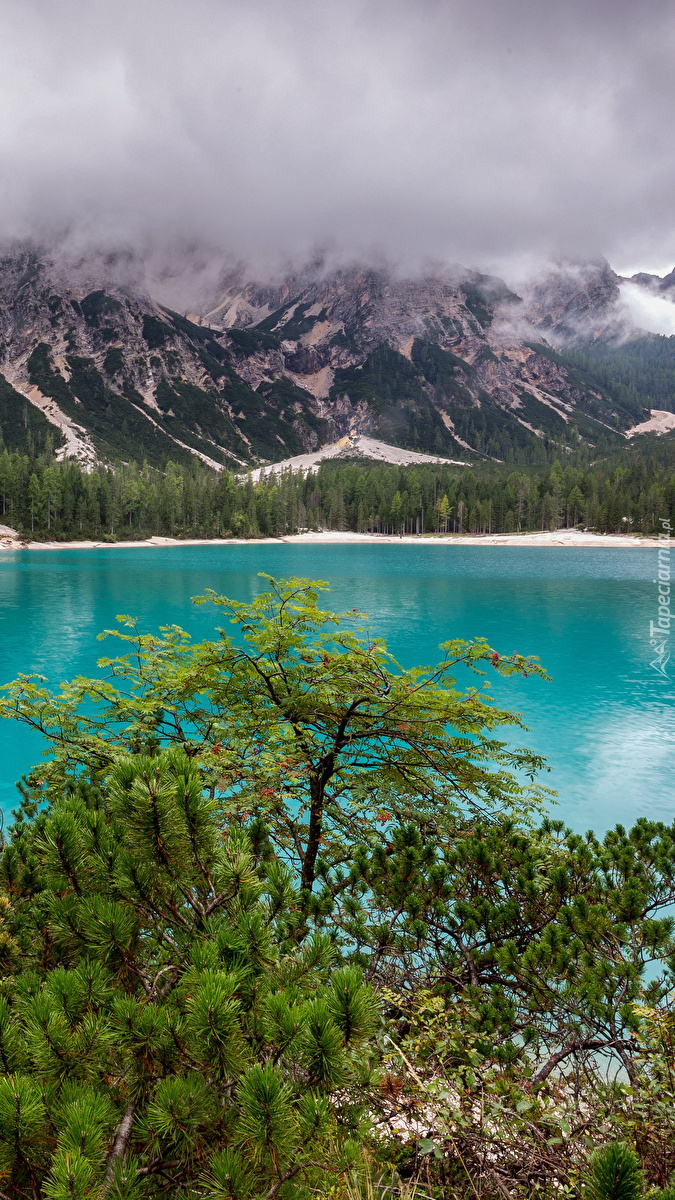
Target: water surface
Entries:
(605, 722)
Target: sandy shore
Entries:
(562, 537)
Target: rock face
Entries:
(438, 364)
(656, 283)
(452, 362)
(117, 377)
(576, 303)
(9, 538)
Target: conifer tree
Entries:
(614, 1174)
(158, 1034)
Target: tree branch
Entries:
(120, 1144)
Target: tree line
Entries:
(43, 498)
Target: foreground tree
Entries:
(303, 724)
(231, 843)
(527, 986)
(156, 1034)
(542, 939)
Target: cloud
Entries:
(647, 310)
(420, 130)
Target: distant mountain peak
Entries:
(655, 283)
(450, 363)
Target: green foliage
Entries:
(298, 324)
(280, 919)
(392, 387)
(163, 1034)
(275, 416)
(397, 391)
(113, 363)
(22, 425)
(249, 341)
(186, 407)
(495, 1126)
(386, 377)
(211, 353)
(444, 370)
(112, 420)
(630, 493)
(640, 374)
(87, 383)
(43, 374)
(214, 366)
(540, 415)
(275, 318)
(614, 1174)
(156, 333)
(295, 407)
(475, 300)
(97, 305)
(340, 735)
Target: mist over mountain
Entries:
(656, 283)
(451, 363)
(235, 232)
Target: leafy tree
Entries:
(303, 723)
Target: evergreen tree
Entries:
(158, 1033)
(614, 1174)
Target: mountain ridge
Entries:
(453, 363)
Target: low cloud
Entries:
(208, 131)
(656, 314)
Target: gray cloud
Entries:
(491, 132)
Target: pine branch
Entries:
(282, 1180)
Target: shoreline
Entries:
(560, 538)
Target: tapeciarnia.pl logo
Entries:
(659, 631)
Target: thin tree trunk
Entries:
(314, 837)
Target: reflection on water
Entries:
(630, 749)
(604, 722)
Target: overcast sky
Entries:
(490, 132)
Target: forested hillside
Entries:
(637, 371)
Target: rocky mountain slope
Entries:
(116, 377)
(451, 364)
(664, 284)
(574, 304)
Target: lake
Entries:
(605, 721)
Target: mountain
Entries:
(656, 283)
(117, 377)
(577, 303)
(451, 363)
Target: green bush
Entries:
(158, 1025)
(614, 1174)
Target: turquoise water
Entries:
(605, 722)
